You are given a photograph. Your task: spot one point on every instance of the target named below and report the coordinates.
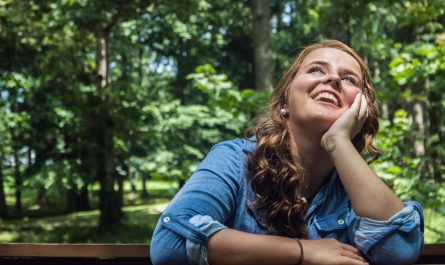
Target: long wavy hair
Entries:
(276, 178)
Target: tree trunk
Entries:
(418, 114)
(89, 167)
(185, 66)
(418, 122)
(144, 193)
(130, 176)
(262, 47)
(3, 206)
(18, 184)
(42, 198)
(84, 201)
(72, 198)
(384, 106)
(435, 100)
(120, 188)
(110, 211)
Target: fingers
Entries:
(352, 252)
(363, 112)
(356, 104)
(352, 255)
(351, 248)
(348, 261)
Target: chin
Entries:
(326, 117)
(317, 118)
(320, 122)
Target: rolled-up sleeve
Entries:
(200, 209)
(398, 240)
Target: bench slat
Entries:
(75, 250)
(23, 253)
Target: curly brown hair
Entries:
(276, 178)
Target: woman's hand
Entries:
(348, 125)
(330, 251)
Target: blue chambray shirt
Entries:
(218, 196)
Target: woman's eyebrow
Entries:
(319, 62)
(345, 71)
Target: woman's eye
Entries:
(316, 69)
(349, 79)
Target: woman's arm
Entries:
(386, 230)
(233, 247)
(369, 196)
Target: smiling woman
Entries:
(298, 191)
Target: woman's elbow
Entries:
(401, 248)
(158, 255)
(167, 248)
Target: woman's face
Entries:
(323, 88)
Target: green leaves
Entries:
(181, 134)
(416, 62)
(180, 73)
(221, 92)
(398, 166)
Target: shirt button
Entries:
(166, 219)
(340, 221)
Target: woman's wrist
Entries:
(301, 256)
(330, 142)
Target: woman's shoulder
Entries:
(236, 145)
(228, 157)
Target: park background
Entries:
(107, 106)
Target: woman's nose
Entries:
(334, 81)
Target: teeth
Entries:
(328, 96)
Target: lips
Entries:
(327, 96)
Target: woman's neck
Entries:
(306, 149)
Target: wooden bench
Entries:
(134, 254)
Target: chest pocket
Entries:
(334, 225)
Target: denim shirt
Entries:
(218, 196)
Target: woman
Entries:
(299, 192)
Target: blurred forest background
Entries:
(107, 106)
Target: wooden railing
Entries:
(131, 254)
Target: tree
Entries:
(262, 49)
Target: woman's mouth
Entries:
(327, 97)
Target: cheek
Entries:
(300, 88)
(350, 95)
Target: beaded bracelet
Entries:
(300, 261)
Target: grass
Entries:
(140, 218)
(137, 227)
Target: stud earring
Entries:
(283, 112)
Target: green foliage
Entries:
(184, 133)
(399, 168)
(222, 94)
(396, 165)
(177, 70)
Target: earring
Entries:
(283, 112)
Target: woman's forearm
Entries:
(370, 197)
(230, 246)
(235, 247)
